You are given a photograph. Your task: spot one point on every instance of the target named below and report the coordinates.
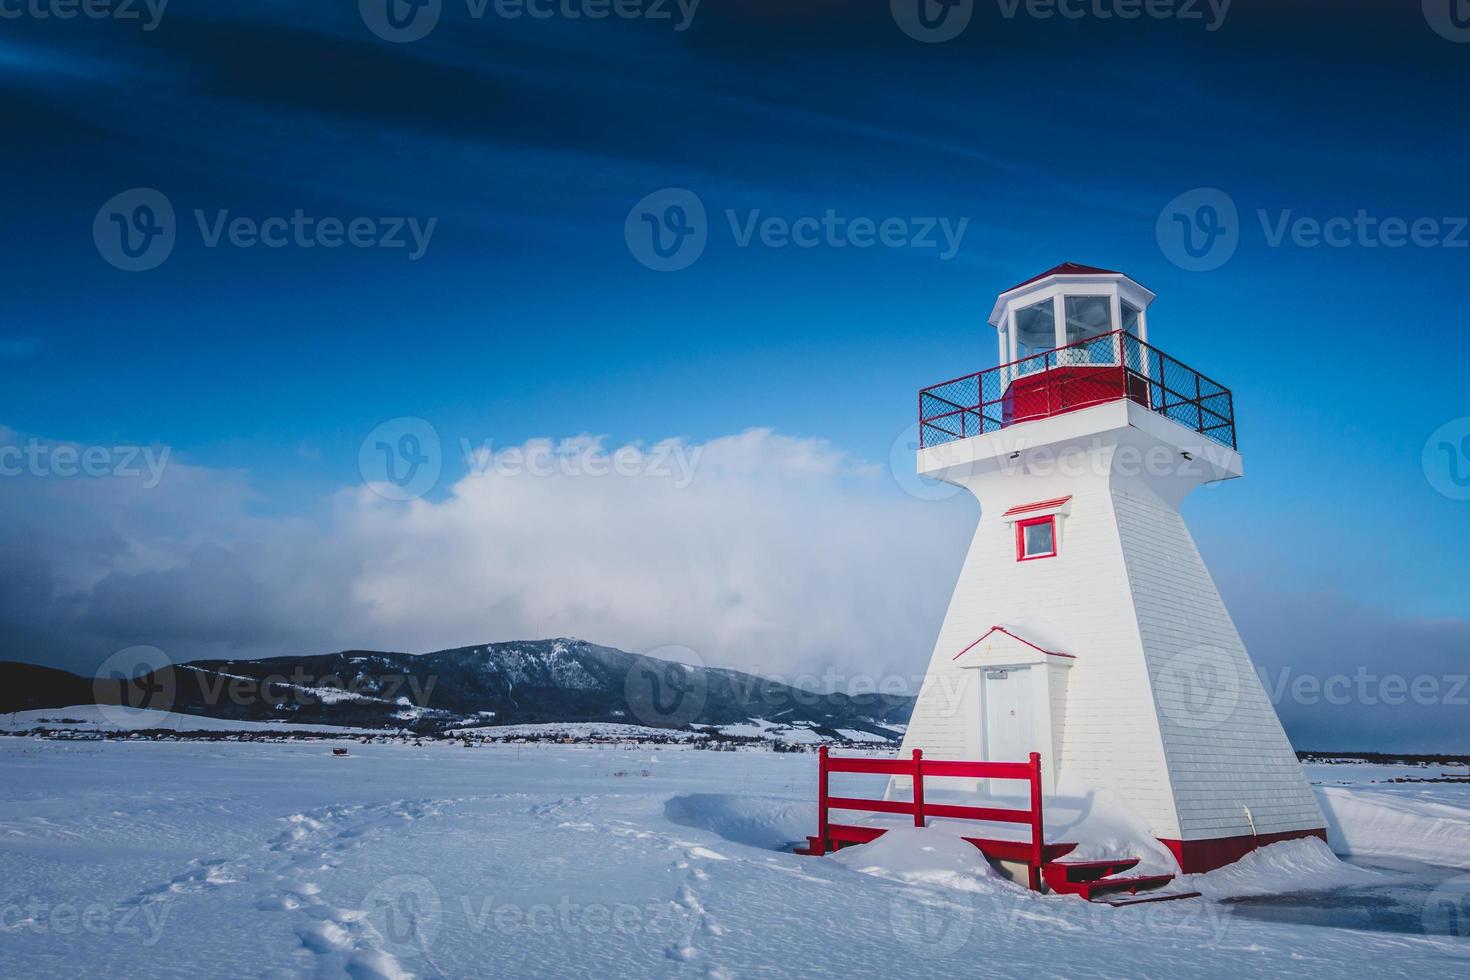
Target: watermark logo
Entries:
(400, 21)
(667, 688)
(932, 21)
(1447, 913)
(1198, 688)
(401, 459)
(931, 925)
(138, 678)
(1446, 459)
(1450, 19)
(135, 230)
(1199, 230)
(903, 467)
(667, 230)
(407, 914)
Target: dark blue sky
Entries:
(528, 315)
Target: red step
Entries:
(1059, 874)
(1103, 886)
(1019, 850)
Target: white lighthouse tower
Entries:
(1085, 626)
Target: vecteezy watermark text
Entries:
(305, 231)
(1211, 13)
(147, 13)
(40, 459)
(541, 458)
(1365, 687)
(668, 230)
(36, 915)
(300, 689)
(1201, 229)
(403, 459)
(405, 21)
(408, 912)
(936, 21)
(136, 230)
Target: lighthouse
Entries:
(1085, 626)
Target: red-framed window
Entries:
(1036, 538)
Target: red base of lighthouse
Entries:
(1198, 856)
(1066, 389)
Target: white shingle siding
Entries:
(1131, 596)
(1225, 746)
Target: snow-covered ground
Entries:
(112, 718)
(204, 859)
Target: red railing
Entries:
(1100, 369)
(917, 768)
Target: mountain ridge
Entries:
(516, 682)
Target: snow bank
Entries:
(923, 856)
(758, 821)
(1290, 866)
(1365, 823)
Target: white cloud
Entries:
(779, 555)
(758, 551)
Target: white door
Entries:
(1009, 735)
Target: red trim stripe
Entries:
(1039, 505)
(1002, 629)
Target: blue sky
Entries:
(528, 316)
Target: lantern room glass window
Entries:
(1036, 538)
(1088, 317)
(1131, 315)
(1036, 329)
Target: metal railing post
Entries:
(822, 800)
(918, 788)
(1038, 825)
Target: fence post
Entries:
(918, 788)
(1038, 826)
(822, 800)
(921, 420)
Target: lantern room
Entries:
(1070, 338)
(1068, 306)
(1067, 340)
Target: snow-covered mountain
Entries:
(524, 682)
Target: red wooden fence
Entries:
(918, 768)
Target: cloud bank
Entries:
(771, 554)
